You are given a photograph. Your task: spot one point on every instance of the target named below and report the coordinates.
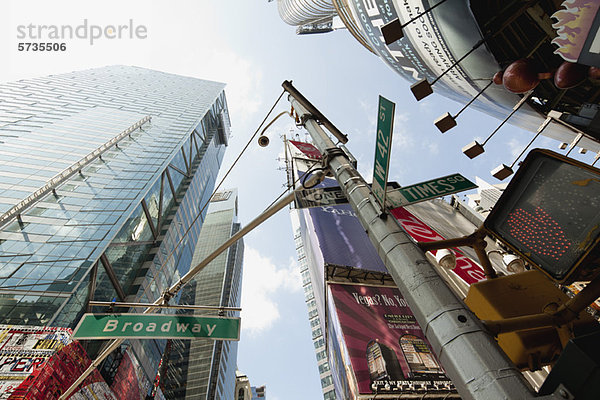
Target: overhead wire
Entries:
(303, 177)
(170, 255)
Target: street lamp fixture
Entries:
(511, 262)
(445, 258)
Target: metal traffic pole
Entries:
(469, 354)
(172, 291)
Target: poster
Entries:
(58, 373)
(24, 350)
(388, 350)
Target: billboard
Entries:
(130, 382)
(58, 373)
(467, 269)
(386, 348)
(24, 350)
(577, 36)
(343, 240)
(39, 362)
(436, 40)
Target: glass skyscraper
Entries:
(204, 368)
(102, 173)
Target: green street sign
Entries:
(385, 125)
(428, 190)
(156, 326)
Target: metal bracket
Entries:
(330, 153)
(306, 117)
(562, 392)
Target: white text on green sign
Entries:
(429, 190)
(385, 125)
(156, 326)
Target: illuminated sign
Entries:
(550, 215)
(577, 32)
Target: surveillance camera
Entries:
(263, 141)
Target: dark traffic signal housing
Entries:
(550, 215)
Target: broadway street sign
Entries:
(428, 190)
(383, 144)
(156, 326)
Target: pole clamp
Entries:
(301, 121)
(330, 153)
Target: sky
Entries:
(247, 46)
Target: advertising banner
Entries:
(39, 362)
(388, 350)
(24, 350)
(467, 269)
(343, 240)
(577, 24)
(58, 374)
(130, 382)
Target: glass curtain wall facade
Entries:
(102, 173)
(204, 368)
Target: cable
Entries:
(220, 183)
(293, 184)
(307, 175)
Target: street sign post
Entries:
(385, 125)
(397, 197)
(428, 190)
(156, 326)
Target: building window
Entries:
(326, 381)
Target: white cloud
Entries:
(515, 146)
(262, 282)
(244, 79)
(434, 148)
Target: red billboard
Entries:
(24, 350)
(387, 349)
(467, 269)
(58, 373)
(130, 382)
(39, 362)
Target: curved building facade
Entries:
(460, 45)
(300, 12)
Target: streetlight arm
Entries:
(318, 176)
